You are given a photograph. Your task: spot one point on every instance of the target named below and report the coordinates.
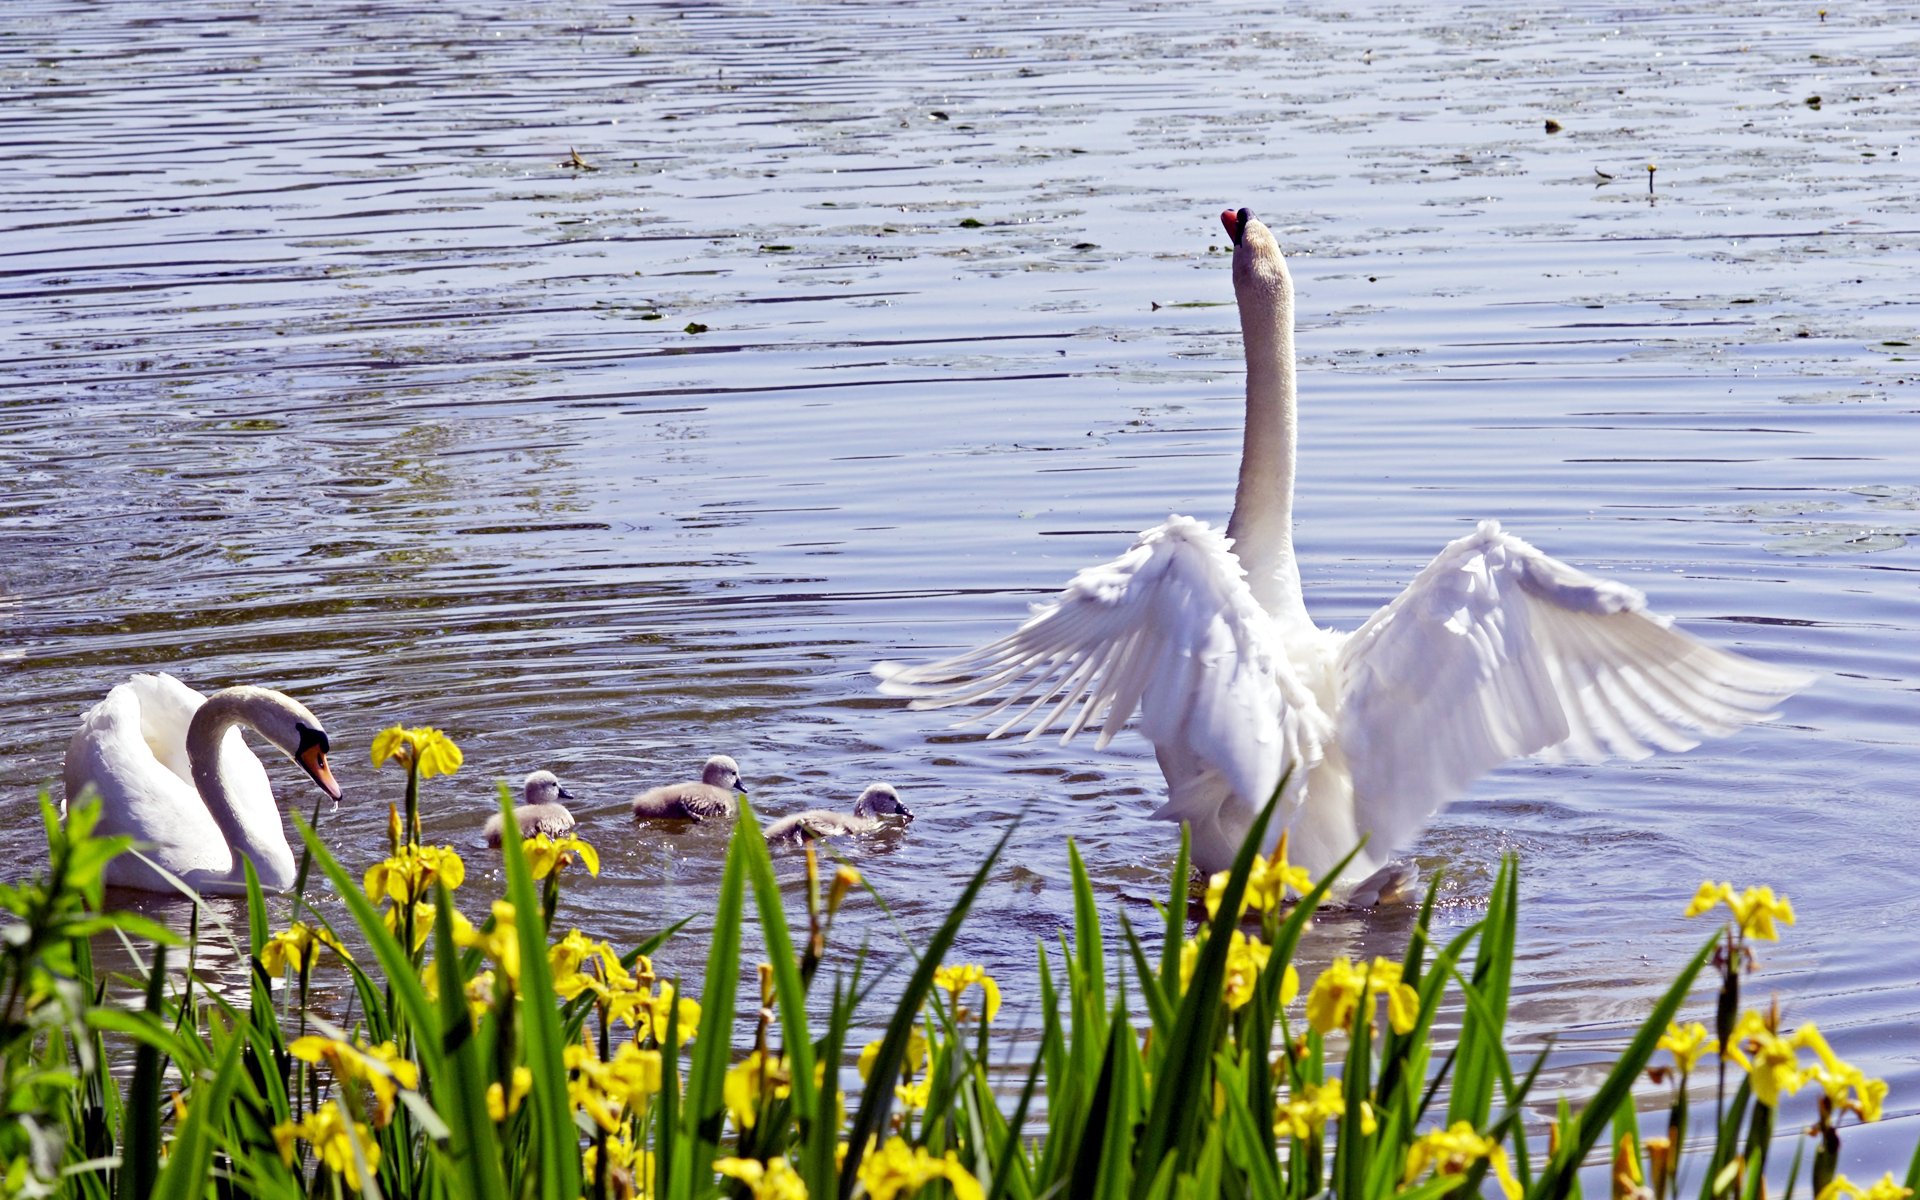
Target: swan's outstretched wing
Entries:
(1169, 629)
(1497, 651)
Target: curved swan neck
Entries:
(1262, 522)
(249, 819)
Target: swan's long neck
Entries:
(1262, 523)
(247, 816)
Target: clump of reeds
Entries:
(506, 1058)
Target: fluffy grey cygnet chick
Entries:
(878, 802)
(542, 812)
(710, 799)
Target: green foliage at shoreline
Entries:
(489, 1054)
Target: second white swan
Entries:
(1494, 651)
(173, 772)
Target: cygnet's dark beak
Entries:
(565, 794)
(906, 814)
(740, 785)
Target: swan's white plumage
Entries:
(1168, 629)
(1494, 651)
(1497, 651)
(131, 750)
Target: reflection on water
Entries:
(326, 370)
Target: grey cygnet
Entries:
(542, 812)
(711, 799)
(869, 815)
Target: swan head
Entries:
(880, 800)
(543, 787)
(292, 727)
(1257, 261)
(723, 772)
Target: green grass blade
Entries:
(1483, 1032)
(876, 1103)
(1175, 933)
(1182, 1089)
(461, 1094)
(1557, 1177)
(394, 961)
(1097, 1132)
(1090, 947)
(1009, 1163)
(190, 1163)
(702, 1110)
(791, 994)
(555, 1143)
(1248, 1146)
(140, 1132)
(1159, 1008)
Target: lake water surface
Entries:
(326, 369)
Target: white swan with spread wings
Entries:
(1494, 651)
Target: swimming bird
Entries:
(870, 811)
(1494, 651)
(542, 812)
(712, 798)
(172, 771)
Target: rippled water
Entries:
(326, 369)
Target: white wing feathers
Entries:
(1496, 651)
(1169, 629)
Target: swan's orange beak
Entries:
(313, 760)
(1235, 222)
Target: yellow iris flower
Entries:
(545, 854)
(844, 881)
(335, 1139)
(750, 1081)
(434, 750)
(773, 1180)
(1848, 1089)
(501, 943)
(954, 980)
(653, 1013)
(1267, 883)
(295, 947)
(1769, 1059)
(1341, 988)
(380, 1069)
(1754, 910)
(1246, 958)
(623, 1155)
(479, 991)
(1306, 1114)
(1885, 1189)
(897, 1169)
(501, 1103)
(407, 877)
(914, 1096)
(629, 999)
(606, 1091)
(1454, 1151)
(913, 1062)
(1688, 1044)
